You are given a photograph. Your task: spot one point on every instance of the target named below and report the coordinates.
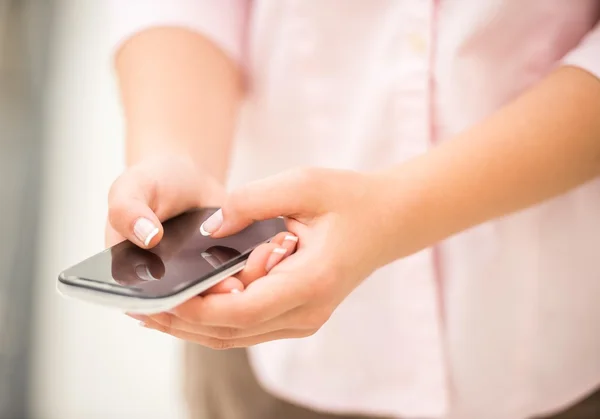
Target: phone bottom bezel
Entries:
(137, 305)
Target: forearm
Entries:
(180, 95)
(542, 145)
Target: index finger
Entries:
(129, 213)
(292, 194)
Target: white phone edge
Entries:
(135, 305)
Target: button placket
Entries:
(409, 104)
(313, 91)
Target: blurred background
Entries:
(60, 149)
(61, 146)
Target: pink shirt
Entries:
(498, 322)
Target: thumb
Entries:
(295, 194)
(129, 213)
(155, 190)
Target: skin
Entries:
(180, 96)
(541, 145)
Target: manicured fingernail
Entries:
(275, 257)
(143, 324)
(145, 230)
(291, 238)
(235, 291)
(212, 224)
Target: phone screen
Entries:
(183, 258)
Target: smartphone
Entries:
(184, 264)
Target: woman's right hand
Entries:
(162, 187)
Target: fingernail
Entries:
(212, 224)
(143, 324)
(145, 230)
(291, 238)
(275, 257)
(235, 291)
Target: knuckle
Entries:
(225, 333)
(116, 206)
(242, 203)
(311, 291)
(320, 286)
(119, 187)
(113, 192)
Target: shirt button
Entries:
(417, 43)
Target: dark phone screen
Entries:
(183, 258)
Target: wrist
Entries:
(385, 219)
(409, 216)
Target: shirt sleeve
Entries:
(222, 21)
(587, 54)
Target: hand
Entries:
(335, 216)
(160, 188)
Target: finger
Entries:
(273, 295)
(139, 317)
(227, 286)
(261, 260)
(153, 191)
(111, 237)
(288, 241)
(221, 344)
(286, 245)
(256, 264)
(129, 213)
(297, 319)
(294, 194)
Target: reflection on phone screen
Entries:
(183, 257)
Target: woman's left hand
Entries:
(342, 235)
